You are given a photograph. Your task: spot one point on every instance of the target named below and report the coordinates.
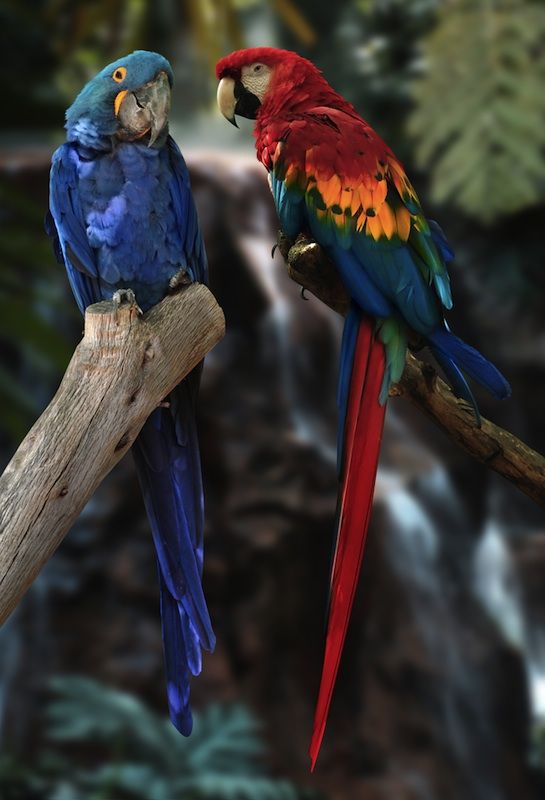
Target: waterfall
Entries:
(424, 517)
(497, 586)
(286, 345)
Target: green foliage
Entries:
(27, 67)
(134, 754)
(379, 41)
(479, 119)
(34, 349)
(537, 745)
(57, 45)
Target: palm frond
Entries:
(221, 760)
(479, 119)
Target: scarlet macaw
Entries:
(333, 177)
(122, 217)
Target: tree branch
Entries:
(309, 266)
(120, 372)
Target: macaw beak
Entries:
(227, 101)
(234, 98)
(145, 110)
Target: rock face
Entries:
(430, 703)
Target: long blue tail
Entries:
(458, 359)
(167, 460)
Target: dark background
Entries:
(441, 694)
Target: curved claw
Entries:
(125, 297)
(303, 295)
(274, 249)
(178, 281)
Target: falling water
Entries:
(284, 346)
(495, 584)
(417, 550)
(497, 587)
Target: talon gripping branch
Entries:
(333, 177)
(122, 216)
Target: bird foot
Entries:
(284, 244)
(125, 297)
(179, 281)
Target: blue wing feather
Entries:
(289, 206)
(69, 230)
(389, 278)
(186, 214)
(348, 347)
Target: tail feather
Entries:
(350, 336)
(167, 461)
(361, 438)
(176, 668)
(446, 346)
(457, 381)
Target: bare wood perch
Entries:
(500, 450)
(123, 368)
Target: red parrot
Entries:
(334, 178)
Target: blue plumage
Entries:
(444, 343)
(348, 347)
(392, 280)
(123, 216)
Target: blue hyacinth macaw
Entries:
(122, 217)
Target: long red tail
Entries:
(362, 437)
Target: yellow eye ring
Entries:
(119, 74)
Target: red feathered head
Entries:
(264, 76)
(231, 65)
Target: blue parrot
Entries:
(122, 218)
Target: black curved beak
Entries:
(233, 98)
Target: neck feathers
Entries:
(84, 132)
(292, 94)
(294, 91)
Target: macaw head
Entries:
(128, 99)
(250, 79)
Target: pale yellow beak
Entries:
(227, 100)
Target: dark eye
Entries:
(258, 67)
(119, 74)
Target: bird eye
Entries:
(258, 67)
(119, 74)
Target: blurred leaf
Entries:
(479, 119)
(29, 329)
(219, 761)
(34, 317)
(295, 21)
(215, 29)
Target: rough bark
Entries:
(500, 450)
(125, 365)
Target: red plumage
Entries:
(333, 176)
(297, 85)
(231, 65)
(363, 434)
(311, 137)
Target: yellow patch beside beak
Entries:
(120, 96)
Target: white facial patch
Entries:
(256, 78)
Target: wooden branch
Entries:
(309, 266)
(123, 368)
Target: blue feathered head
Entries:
(128, 99)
